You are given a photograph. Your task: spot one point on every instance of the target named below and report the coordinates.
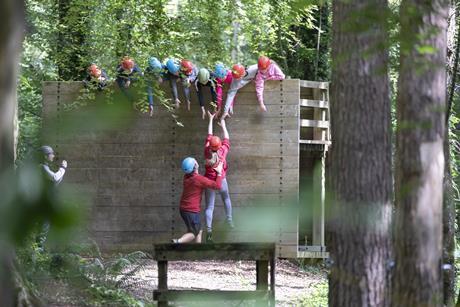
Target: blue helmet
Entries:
(172, 66)
(220, 71)
(188, 165)
(155, 65)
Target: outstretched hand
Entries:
(225, 115)
(211, 115)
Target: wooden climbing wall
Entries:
(133, 177)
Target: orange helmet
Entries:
(263, 63)
(94, 71)
(215, 143)
(238, 71)
(127, 63)
(186, 66)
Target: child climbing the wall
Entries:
(222, 76)
(127, 73)
(188, 75)
(96, 78)
(153, 73)
(205, 78)
(190, 202)
(267, 70)
(264, 70)
(215, 152)
(176, 71)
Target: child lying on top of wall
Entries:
(265, 69)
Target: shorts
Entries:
(192, 220)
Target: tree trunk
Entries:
(11, 35)
(360, 175)
(419, 153)
(236, 32)
(448, 194)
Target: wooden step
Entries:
(209, 295)
(314, 103)
(315, 142)
(314, 84)
(309, 123)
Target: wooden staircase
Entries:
(314, 141)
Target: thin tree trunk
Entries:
(419, 154)
(236, 32)
(448, 194)
(360, 176)
(318, 41)
(11, 36)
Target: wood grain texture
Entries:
(134, 172)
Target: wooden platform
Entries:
(262, 253)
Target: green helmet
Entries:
(203, 76)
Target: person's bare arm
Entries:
(211, 118)
(224, 129)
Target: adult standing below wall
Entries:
(55, 178)
(215, 152)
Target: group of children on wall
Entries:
(190, 76)
(215, 150)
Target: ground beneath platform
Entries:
(294, 283)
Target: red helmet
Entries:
(215, 143)
(94, 71)
(127, 63)
(263, 63)
(238, 71)
(186, 66)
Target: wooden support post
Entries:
(162, 280)
(319, 195)
(262, 280)
(272, 281)
(262, 274)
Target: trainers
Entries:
(230, 225)
(176, 241)
(209, 238)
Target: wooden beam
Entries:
(315, 142)
(216, 251)
(209, 295)
(306, 254)
(314, 84)
(308, 123)
(314, 103)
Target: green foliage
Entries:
(318, 297)
(99, 281)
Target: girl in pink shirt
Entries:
(268, 70)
